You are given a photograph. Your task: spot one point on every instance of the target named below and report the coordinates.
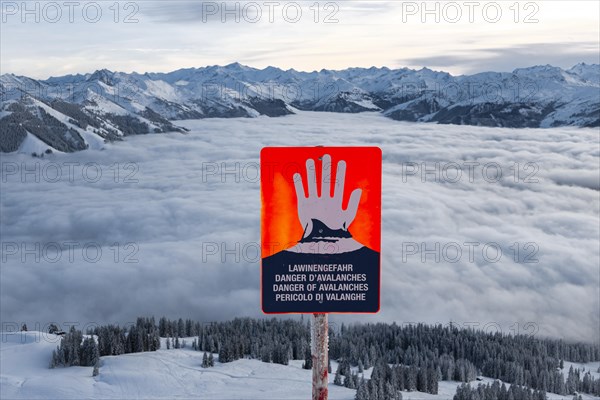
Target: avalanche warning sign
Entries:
(321, 229)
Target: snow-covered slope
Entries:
(114, 104)
(85, 118)
(166, 374)
(31, 144)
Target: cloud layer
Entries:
(505, 59)
(58, 39)
(178, 221)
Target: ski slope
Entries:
(166, 374)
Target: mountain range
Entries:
(75, 112)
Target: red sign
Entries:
(321, 229)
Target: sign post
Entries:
(319, 344)
(320, 238)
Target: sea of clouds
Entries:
(165, 208)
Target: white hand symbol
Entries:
(325, 208)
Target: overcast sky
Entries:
(163, 36)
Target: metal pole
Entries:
(319, 342)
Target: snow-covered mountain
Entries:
(73, 112)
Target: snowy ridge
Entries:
(116, 104)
